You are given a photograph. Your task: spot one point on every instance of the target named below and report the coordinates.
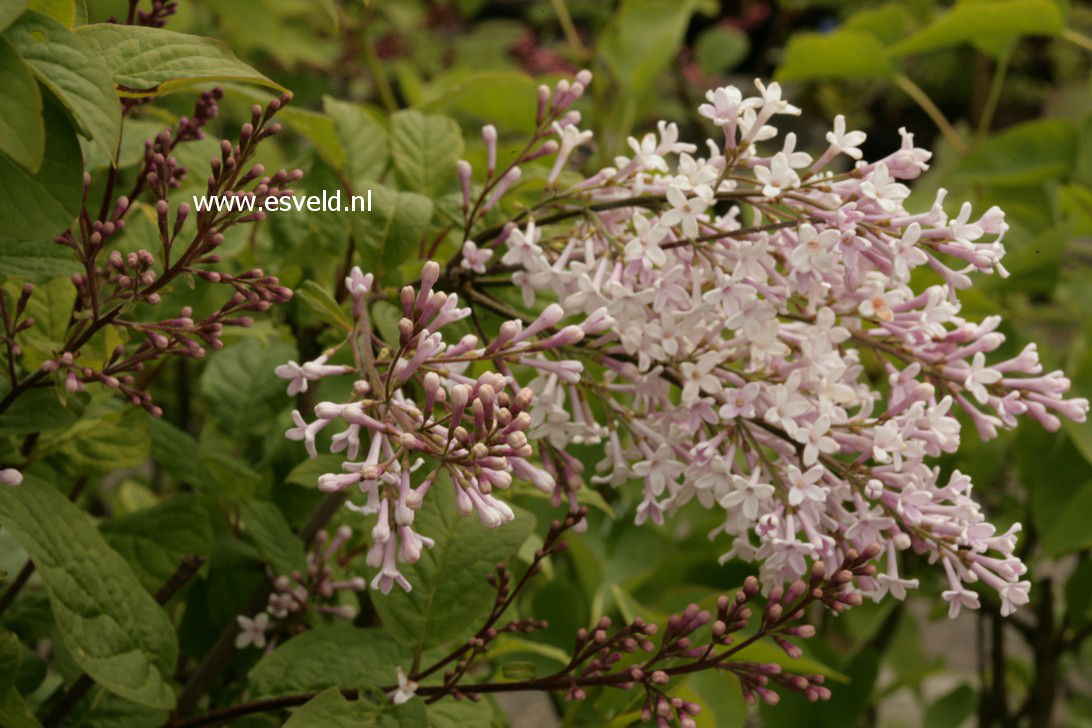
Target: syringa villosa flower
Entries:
(732, 369)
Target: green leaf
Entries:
(307, 473)
(338, 656)
(10, 657)
(101, 444)
(952, 709)
(173, 450)
(113, 629)
(230, 478)
(10, 10)
(459, 714)
(50, 305)
(388, 236)
(643, 38)
(502, 98)
(365, 141)
(38, 410)
(1072, 529)
(766, 651)
(1024, 154)
(154, 540)
(281, 548)
(152, 61)
(62, 11)
(425, 148)
(330, 709)
(43, 204)
(71, 70)
(722, 700)
(720, 49)
(972, 20)
(888, 22)
(22, 131)
(449, 587)
(841, 54)
(241, 389)
(36, 261)
(14, 712)
(315, 298)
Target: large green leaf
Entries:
(10, 657)
(50, 306)
(974, 20)
(100, 444)
(173, 450)
(459, 714)
(155, 540)
(242, 392)
(15, 713)
(281, 548)
(41, 205)
(38, 410)
(10, 10)
(502, 98)
(112, 627)
(643, 38)
(952, 709)
(69, 68)
(720, 49)
(319, 302)
(152, 61)
(365, 141)
(330, 709)
(841, 54)
(449, 583)
(339, 656)
(425, 148)
(388, 236)
(22, 131)
(36, 261)
(1072, 529)
(1028, 153)
(65, 12)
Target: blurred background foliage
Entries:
(999, 89)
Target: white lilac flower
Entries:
(252, 631)
(720, 329)
(406, 689)
(475, 258)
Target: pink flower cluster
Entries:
(750, 287)
(414, 401)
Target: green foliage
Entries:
(22, 133)
(68, 67)
(111, 627)
(335, 656)
(152, 61)
(330, 709)
(242, 391)
(450, 593)
(424, 149)
(842, 54)
(155, 540)
(40, 204)
(391, 233)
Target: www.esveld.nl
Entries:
(328, 202)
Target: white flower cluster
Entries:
(414, 400)
(761, 300)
